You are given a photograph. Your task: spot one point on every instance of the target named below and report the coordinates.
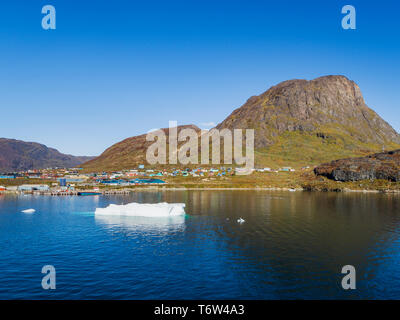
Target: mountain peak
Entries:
(296, 122)
(325, 104)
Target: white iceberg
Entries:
(142, 224)
(29, 211)
(151, 210)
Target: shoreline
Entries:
(157, 188)
(265, 189)
(283, 181)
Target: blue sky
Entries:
(115, 69)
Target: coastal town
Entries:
(73, 181)
(80, 182)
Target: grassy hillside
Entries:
(298, 149)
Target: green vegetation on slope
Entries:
(299, 149)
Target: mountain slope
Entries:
(312, 122)
(17, 155)
(126, 154)
(330, 102)
(296, 122)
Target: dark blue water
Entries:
(292, 246)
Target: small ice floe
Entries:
(29, 211)
(143, 210)
(240, 220)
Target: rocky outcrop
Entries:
(385, 165)
(17, 155)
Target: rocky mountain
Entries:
(325, 106)
(313, 121)
(127, 154)
(17, 155)
(384, 165)
(296, 123)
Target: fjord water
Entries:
(292, 245)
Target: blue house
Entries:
(7, 176)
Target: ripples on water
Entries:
(292, 246)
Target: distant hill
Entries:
(296, 123)
(17, 155)
(126, 154)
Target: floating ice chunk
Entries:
(145, 224)
(134, 209)
(240, 220)
(29, 211)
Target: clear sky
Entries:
(115, 69)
